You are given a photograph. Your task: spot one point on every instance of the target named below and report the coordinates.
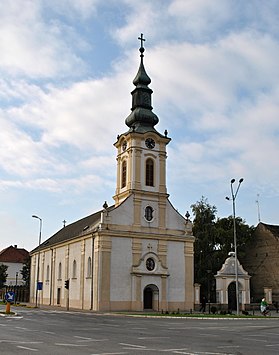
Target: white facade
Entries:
(226, 277)
(135, 255)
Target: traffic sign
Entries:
(10, 296)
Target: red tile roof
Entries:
(12, 254)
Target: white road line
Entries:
(25, 348)
(200, 353)
(109, 353)
(181, 349)
(133, 345)
(45, 332)
(143, 338)
(67, 344)
(272, 345)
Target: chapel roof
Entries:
(228, 268)
(13, 254)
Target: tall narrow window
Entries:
(149, 172)
(74, 269)
(59, 271)
(89, 267)
(47, 273)
(124, 174)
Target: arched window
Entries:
(59, 271)
(47, 273)
(149, 172)
(124, 174)
(89, 267)
(74, 269)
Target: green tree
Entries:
(25, 271)
(3, 275)
(204, 232)
(214, 240)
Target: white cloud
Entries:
(32, 46)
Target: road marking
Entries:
(181, 349)
(25, 348)
(200, 353)
(133, 345)
(46, 332)
(67, 344)
(110, 353)
(143, 338)
(272, 344)
(83, 338)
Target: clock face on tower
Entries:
(150, 143)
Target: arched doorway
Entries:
(232, 296)
(151, 297)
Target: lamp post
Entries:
(16, 287)
(234, 194)
(38, 265)
(208, 289)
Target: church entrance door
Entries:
(150, 297)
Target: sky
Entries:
(66, 72)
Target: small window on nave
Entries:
(89, 267)
(59, 271)
(74, 269)
(47, 273)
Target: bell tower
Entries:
(141, 153)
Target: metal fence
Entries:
(21, 293)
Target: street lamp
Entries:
(38, 265)
(234, 194)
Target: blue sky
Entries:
(66, 71)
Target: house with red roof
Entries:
(14, 258)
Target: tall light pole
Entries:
(38, 264)
(234, 194)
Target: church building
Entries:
(135, 255)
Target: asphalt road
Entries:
(61, 332)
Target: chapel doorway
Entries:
(151, 298)
(232, 296)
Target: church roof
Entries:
(142, 119)
(72, 230)
(13, 254)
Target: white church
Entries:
(135, 255)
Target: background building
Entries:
(14, 258)
(262, 263)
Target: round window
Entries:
(150, 264)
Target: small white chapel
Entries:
(135, 255)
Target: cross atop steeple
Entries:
(141, 40)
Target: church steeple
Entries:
(141, 156)
(141, 119)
